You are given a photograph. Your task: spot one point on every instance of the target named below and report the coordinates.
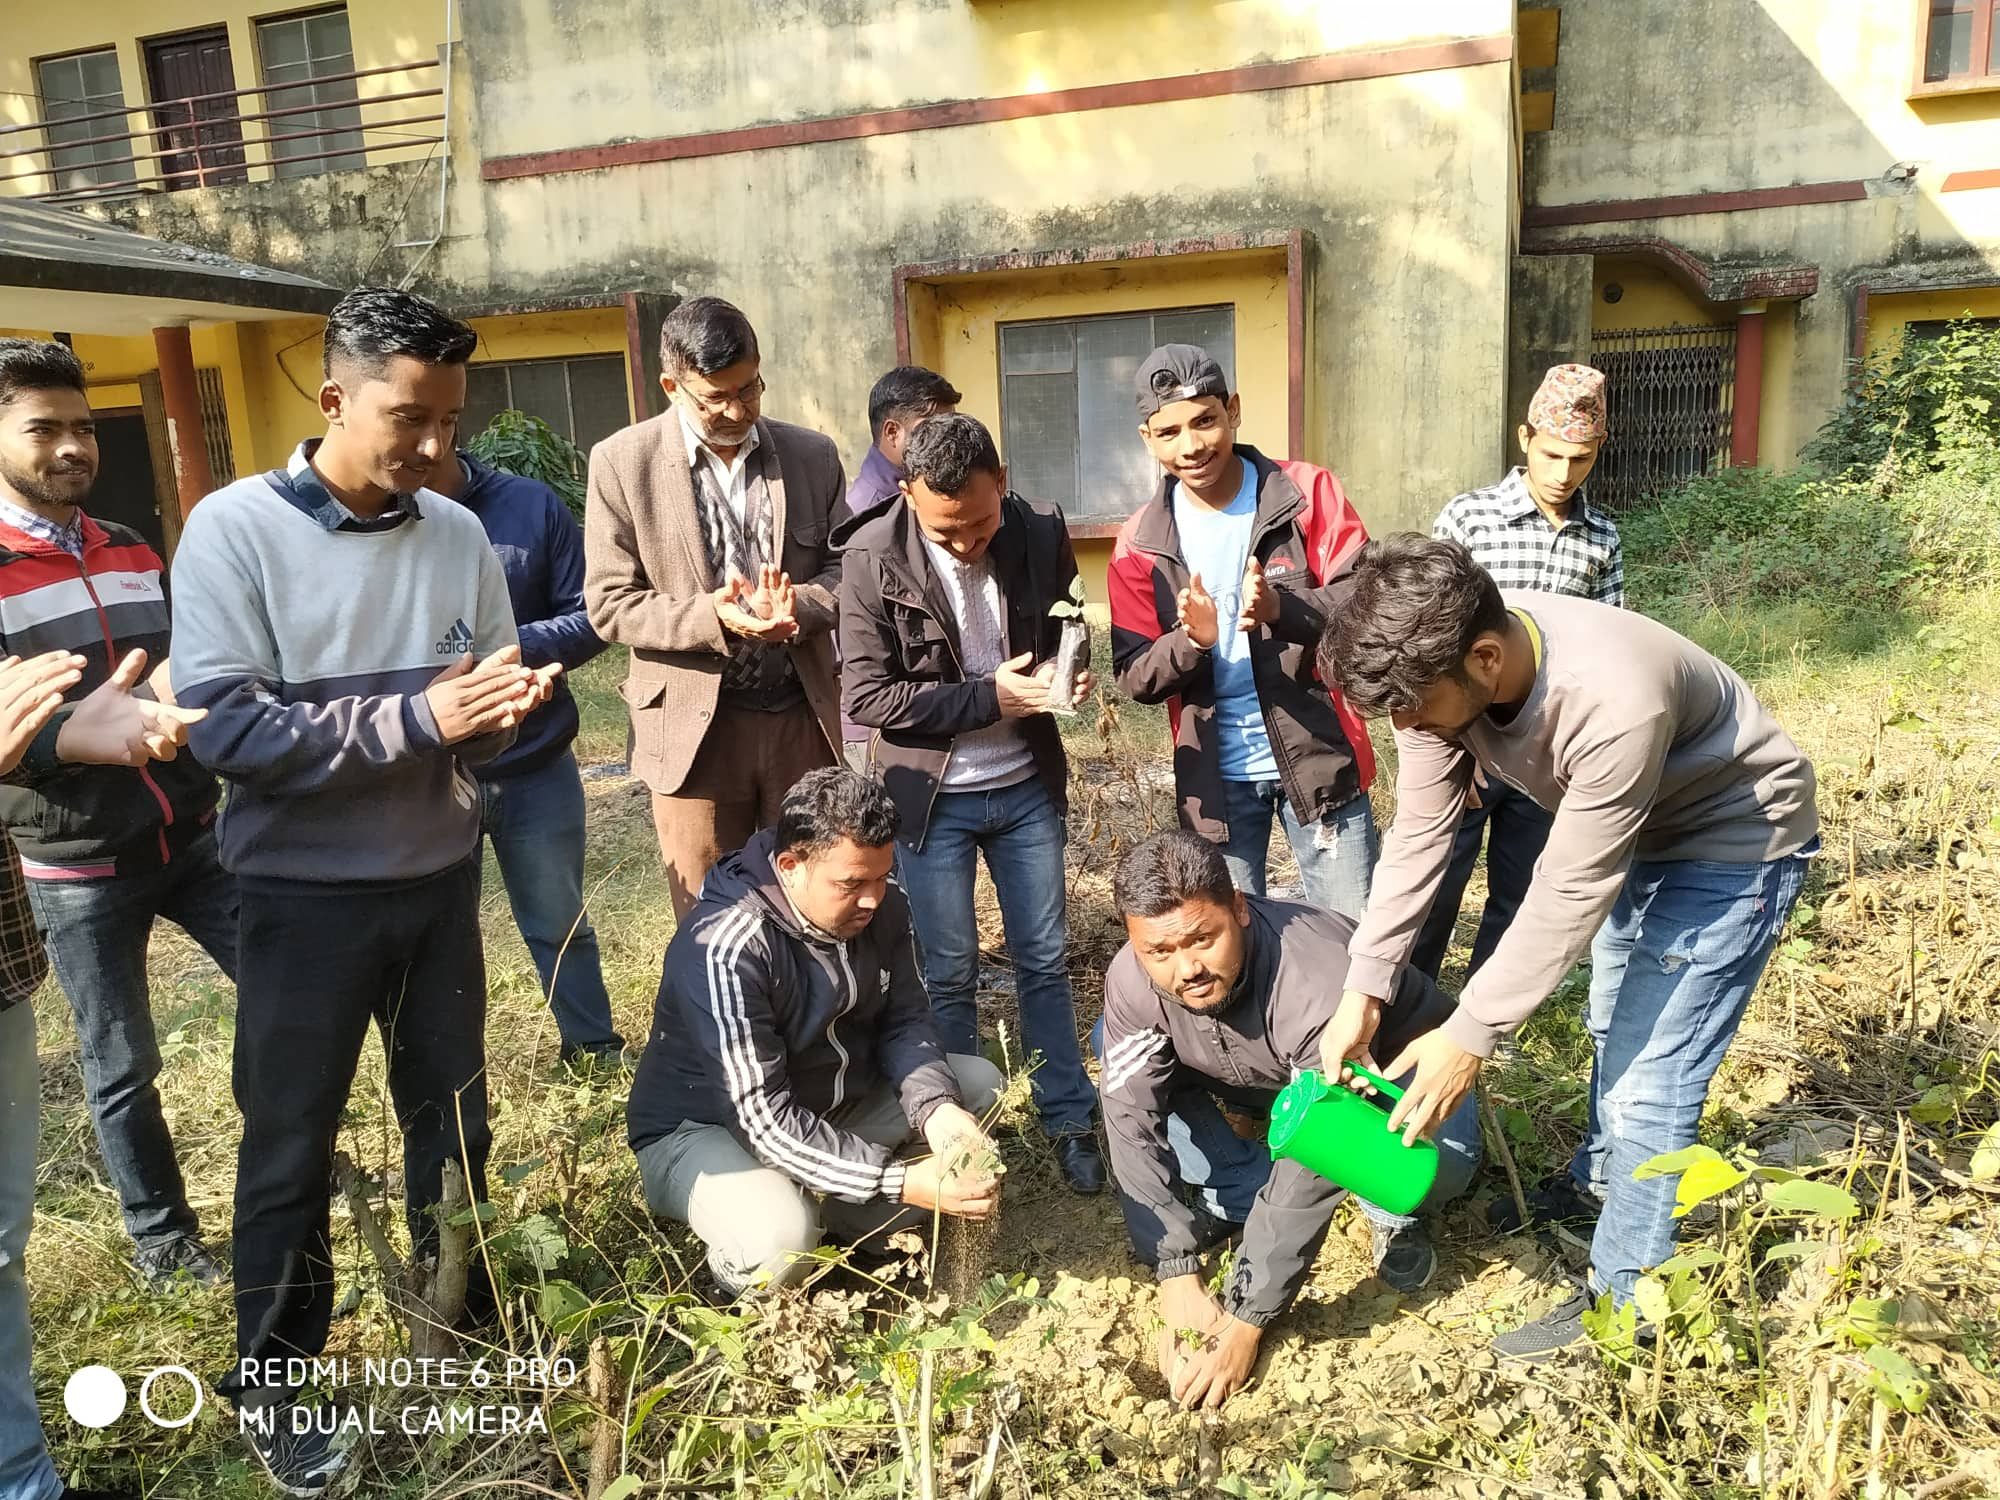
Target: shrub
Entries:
(528, 446)
(1916, 404)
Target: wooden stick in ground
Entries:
(436, 1293)
(926, 1452)
(1499, 1147)
(366, 1224)
(604, 1442)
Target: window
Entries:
(78, 86)
(583, 399)
(1932, 329)
(1068, 423)
(307, 60)
(1960, 45)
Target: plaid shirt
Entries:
(1510, 537)
(23, 960)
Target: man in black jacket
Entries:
(947, 647)
(793, 1056)
(1222, 995)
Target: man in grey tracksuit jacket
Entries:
(793, 1060)
(1250, 996)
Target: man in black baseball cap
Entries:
(1215, 610)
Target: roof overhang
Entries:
(59, 270)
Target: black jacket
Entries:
(1265, 1036)
(900, 669)
(767, 1030)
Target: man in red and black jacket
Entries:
(1218, 598)
(107, 849)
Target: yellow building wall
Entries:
(1888, 312)
(1652, 298)
(956, 331)
(383, 32)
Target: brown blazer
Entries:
(646, 581)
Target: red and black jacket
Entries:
(78, 822)
(1304, 530)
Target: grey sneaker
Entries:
(1405, 1257)
(1557, 1329)
(308, 1463)
(164, 1263)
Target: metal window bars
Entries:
(1670, 404)
(187, 151)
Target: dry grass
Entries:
(1871, 1045)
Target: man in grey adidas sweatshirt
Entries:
(351, 638)
(1683, 820)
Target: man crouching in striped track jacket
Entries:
(794, 1062)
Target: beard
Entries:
(58, 489)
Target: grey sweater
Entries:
(309, 636)
(1643, 745)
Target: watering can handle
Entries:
(1388, 1089)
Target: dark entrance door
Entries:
(125, 490)
(201, 134)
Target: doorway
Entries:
(127, 487)
(192, 84)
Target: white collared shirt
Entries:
(733, 476)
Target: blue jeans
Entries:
(535, 821)
(1671, 973)
(1022, 836)
(1513, 826)
(97, 932)
(1336, 855)
(25, 1470)
(1227, 1172)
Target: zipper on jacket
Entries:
(937, 786)
(1228, 1057)
(853, 999)
(111, 659)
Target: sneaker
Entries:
(165, 1262)
(1404, 1256)
(300, 1463)
(609, 1057)
(1556, 1329)
(1556, 1199)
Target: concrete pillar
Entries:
(1749, 410)
(182, 399)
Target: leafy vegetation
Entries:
(528, 446)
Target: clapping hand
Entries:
(30, 693)
(111, 727)
(1260, 599)
(764, 612)
(1197, 613)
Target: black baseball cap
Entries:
(1178, 372)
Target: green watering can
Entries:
(1329, 1129)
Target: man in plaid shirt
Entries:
(1535, 529)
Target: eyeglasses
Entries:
(716, 405)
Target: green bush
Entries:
(528, 446)
(1917, 404)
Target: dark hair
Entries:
(1416, 607)
(908, 393)
(703, 335)
(1167, 871)
(830, 804)
(31, 365)
(372, 325)
(947, 451)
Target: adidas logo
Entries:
(457, 640)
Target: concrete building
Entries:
(1386, 219)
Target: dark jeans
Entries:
(97, 932)
(319, 963)
(1515, 826)
(535, 821)
(1021, 833)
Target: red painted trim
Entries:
(1749, 402)
(1858, 351)
(635, 358)
(899, 282)
(1295, 344)
(1964, 182)
(1547, 216)
(1337, 67)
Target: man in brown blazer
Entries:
(706, 551)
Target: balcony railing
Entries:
(208, 140)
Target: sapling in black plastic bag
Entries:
(1072, 651)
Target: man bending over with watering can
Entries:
(1683, 821)
(1220, 995)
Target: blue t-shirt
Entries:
(1216, 545)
